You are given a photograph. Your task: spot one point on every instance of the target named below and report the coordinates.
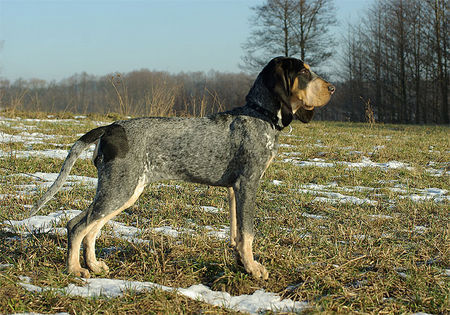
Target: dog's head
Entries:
(298, 89)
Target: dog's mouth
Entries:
(307, 107)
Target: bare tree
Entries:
(401, 54)
(272, 33)
(440, 17)
(312, 30)
(299, 28)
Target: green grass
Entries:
(347, 261)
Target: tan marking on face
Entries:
(297, 96)
(306, 66)
(316, 94)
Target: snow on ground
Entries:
(254, 303)
(259, 301)
(29, 138)
(365, 162)
(45, 180)
(41, 223)
(49, 224)
(331, 193)
(60, 154)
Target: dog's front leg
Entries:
(245, 191)
(233, 223)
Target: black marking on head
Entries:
(278, 76)
(114, 143)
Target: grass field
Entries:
(351, 218)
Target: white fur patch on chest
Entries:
(270, 142)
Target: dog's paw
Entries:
(257, 270)
(80, 272)
(98, 267)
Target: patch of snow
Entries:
(40, 223)
(284, 145)
(365, 162)
(71, 180)
(259, 301)
(334, 197)
(329, 191)
(338, 198)
(221, 234)
(211, 209)
(167, 230)
(47, 153)
(292, 153)
(380, 216)
(434, 194)
(312, 163)
(129, 233)
(5, 266)
(312, 216)
(35, 138)
(277, 182)
(420, 229)
(161, 185)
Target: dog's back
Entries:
(209, 150)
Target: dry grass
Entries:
(348, 259)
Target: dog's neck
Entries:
(261, 100)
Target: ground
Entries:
(350, 218)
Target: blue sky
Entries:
(53, 40)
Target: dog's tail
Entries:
(79, 146)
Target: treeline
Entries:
(137, 93)
(396, 63)
(394, 69)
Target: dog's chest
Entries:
(271, 142)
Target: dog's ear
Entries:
(304, 115)
(286, 114)
(275, 77)
(278, 76)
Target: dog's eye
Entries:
(304, 71)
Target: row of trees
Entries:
(397, 61)
(140, 92)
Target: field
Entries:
(351, 218)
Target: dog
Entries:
(230, 149)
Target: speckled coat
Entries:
(230, 149)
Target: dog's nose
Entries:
(331, 89)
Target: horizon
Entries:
(101, 38)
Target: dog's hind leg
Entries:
(109, 202)
(76, 230)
